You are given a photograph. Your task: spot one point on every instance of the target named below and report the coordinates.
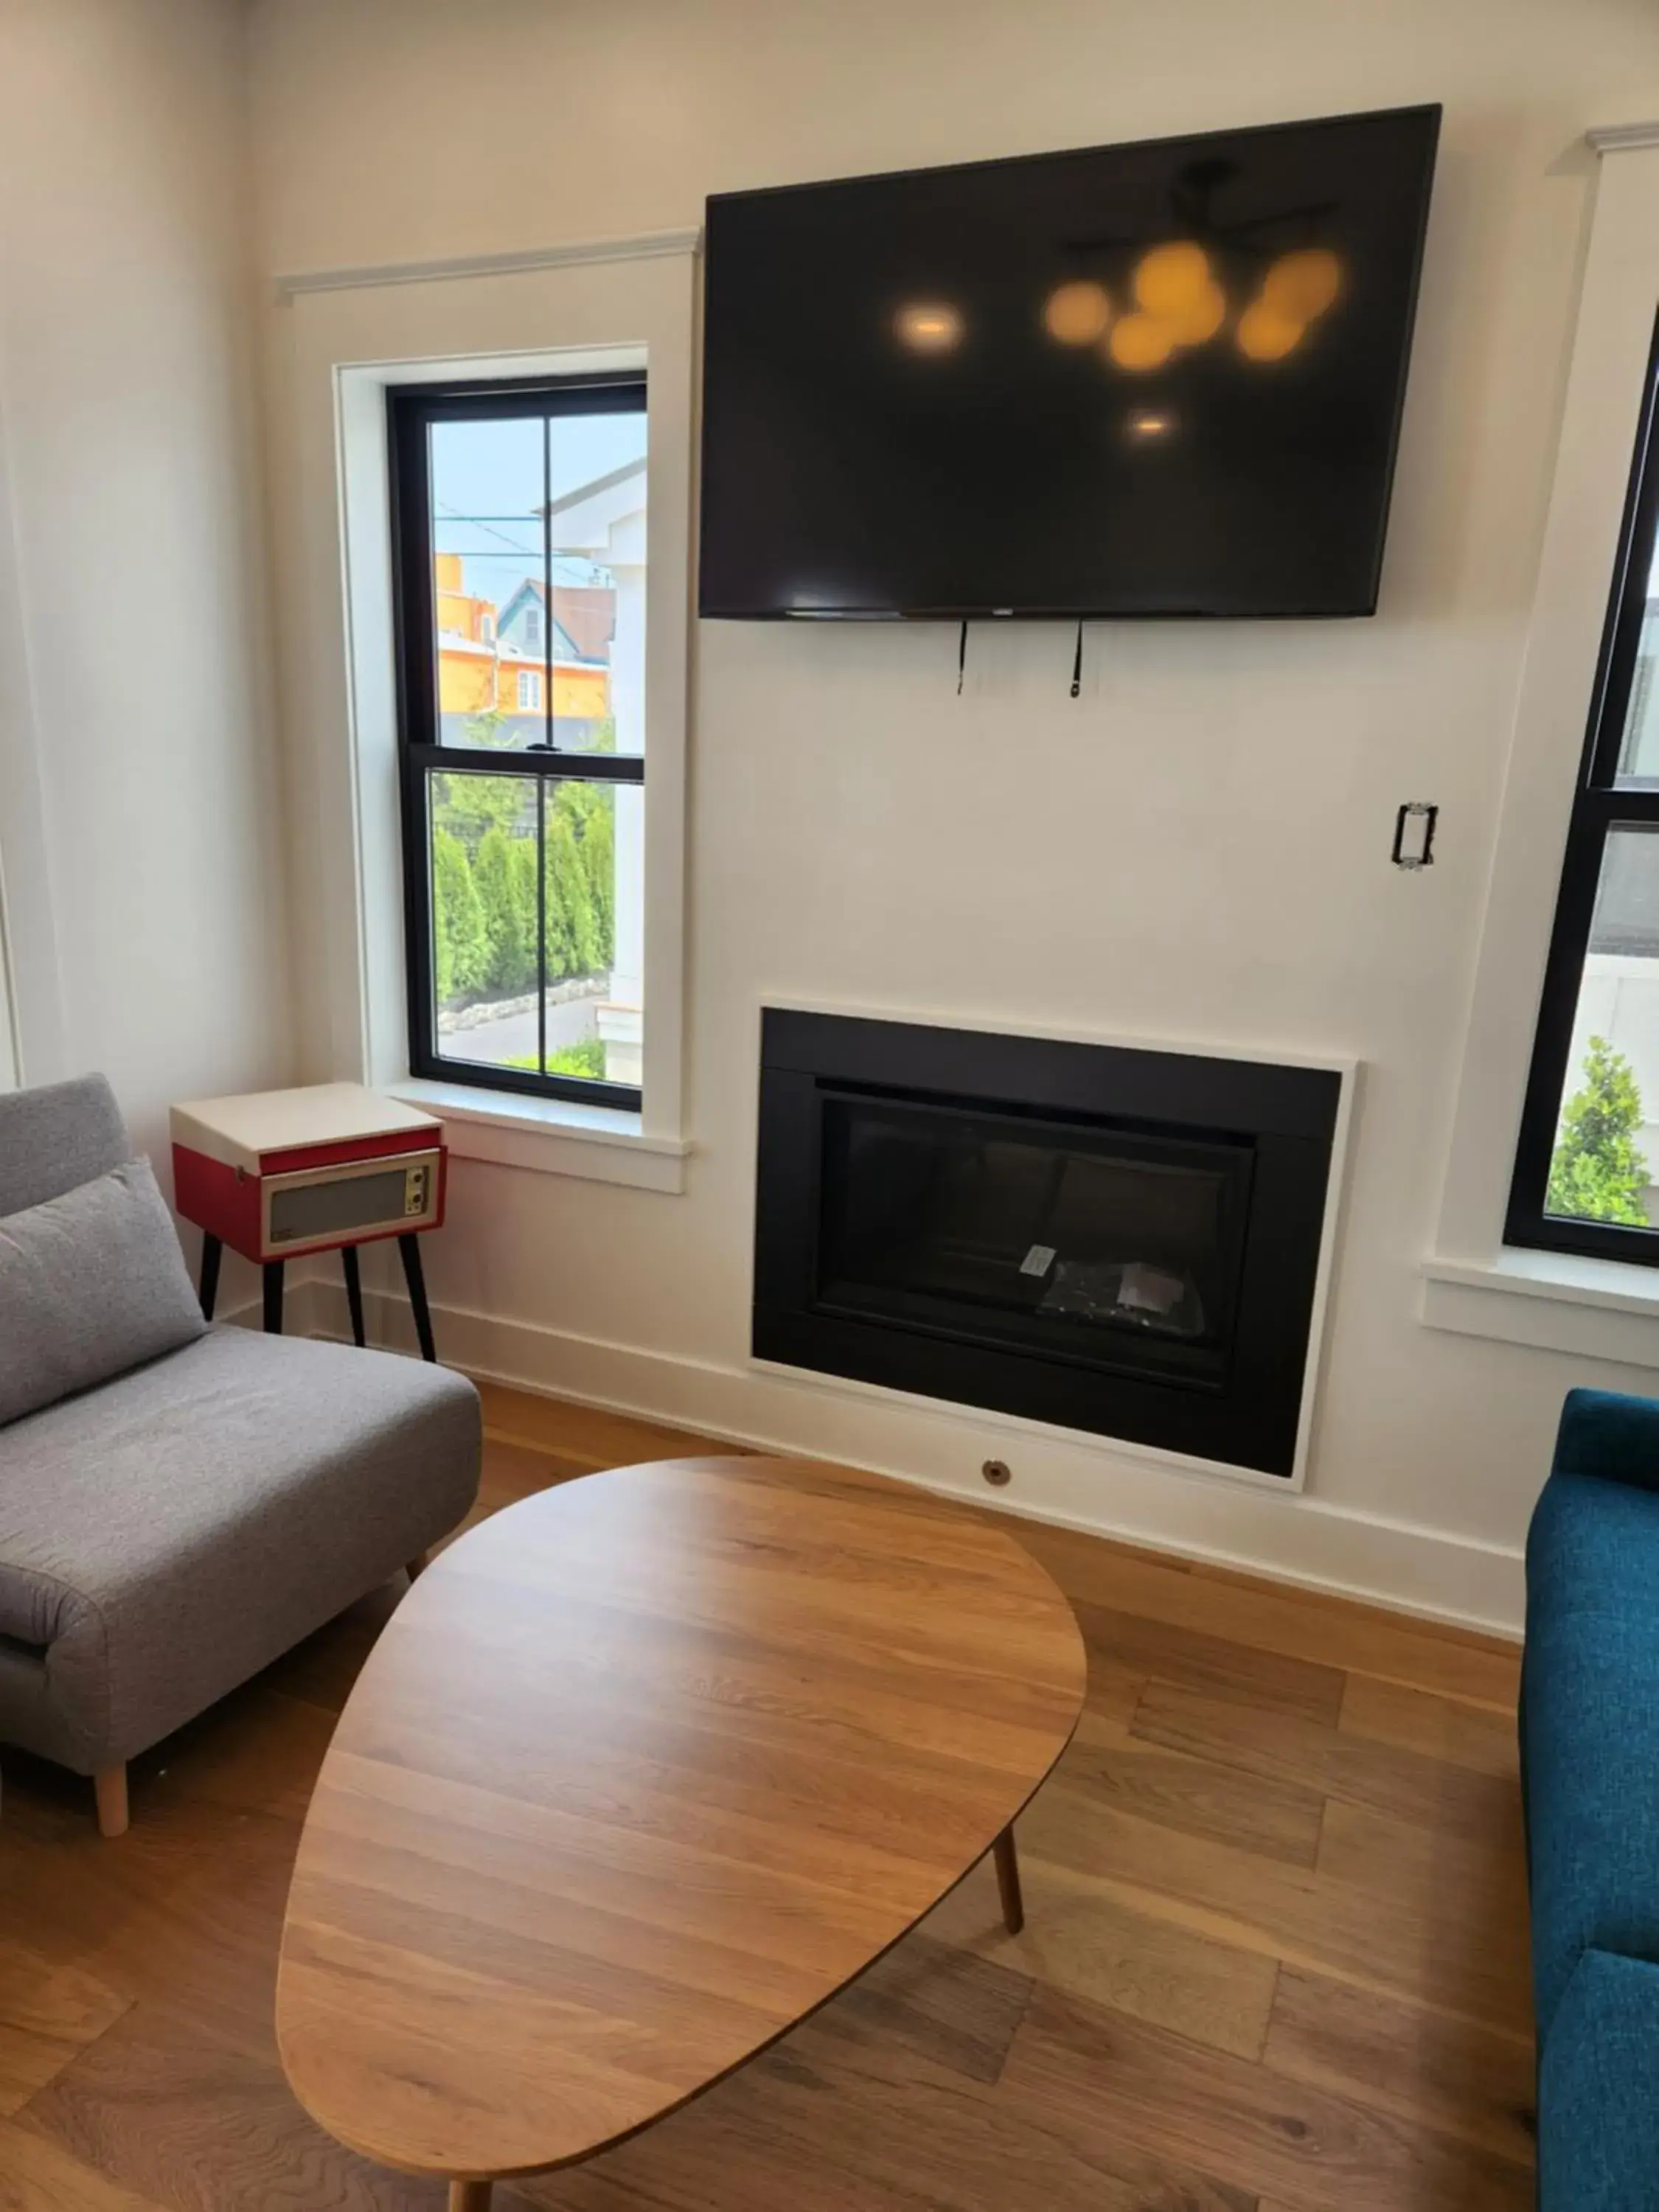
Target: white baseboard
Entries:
(1078, 1482)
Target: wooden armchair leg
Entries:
(111, 1784)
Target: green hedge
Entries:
(585, 1057)
(483, 883)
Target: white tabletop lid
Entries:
(262, 1121)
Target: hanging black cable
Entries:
(961, 661)
(1077, 662)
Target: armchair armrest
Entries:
(1610, 1434)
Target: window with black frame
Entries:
(1587, 1166)
(519, 532)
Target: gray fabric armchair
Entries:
(168, 1530)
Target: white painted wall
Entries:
(140, 847)
(1196, 849)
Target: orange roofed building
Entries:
(482, 672)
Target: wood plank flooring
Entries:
(1274, 1958)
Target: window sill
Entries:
(1552, 1301)
(550, 1136)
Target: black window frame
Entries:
(411, 410)
(1602, 804)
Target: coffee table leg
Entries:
(469, 2195)
(1013, 1905)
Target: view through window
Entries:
(1587, 1174)
(520, 534)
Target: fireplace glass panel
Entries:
(1088, 1244)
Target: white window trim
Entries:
(349, 343)
(1474, 1285)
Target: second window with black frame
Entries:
(519, 537)
(1587, 1164)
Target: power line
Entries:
(484, 522)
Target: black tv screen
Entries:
(1162, 379)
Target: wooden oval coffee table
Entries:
(642, 1771)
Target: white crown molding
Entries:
(1623, 138)
(644, 246)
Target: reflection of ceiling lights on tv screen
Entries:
(1153, 378)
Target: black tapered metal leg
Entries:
(354, 1292)
(212, 1251)
(410, 1246)
(274, 1297)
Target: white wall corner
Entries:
(32, 1022)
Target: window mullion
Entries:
(531, 760)
(580, 768)
(541, 925)
(547, 583)
(1598, 810)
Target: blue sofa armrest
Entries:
(1598, 2122)
(1608, 1433)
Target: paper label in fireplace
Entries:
(1037, 1261)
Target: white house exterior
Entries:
(605, 520)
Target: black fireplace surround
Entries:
(1108, 1239)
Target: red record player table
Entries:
(277, 1175)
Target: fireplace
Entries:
(1122, 1241)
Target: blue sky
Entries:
(487, 486)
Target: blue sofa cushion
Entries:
(1598, 2138)
(1590, 1731)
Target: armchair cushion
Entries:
(168, 1534)
(92, 1283)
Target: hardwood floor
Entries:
(1274, 1954)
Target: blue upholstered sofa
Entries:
(1589, 1746)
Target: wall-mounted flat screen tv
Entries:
(1162, 379)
